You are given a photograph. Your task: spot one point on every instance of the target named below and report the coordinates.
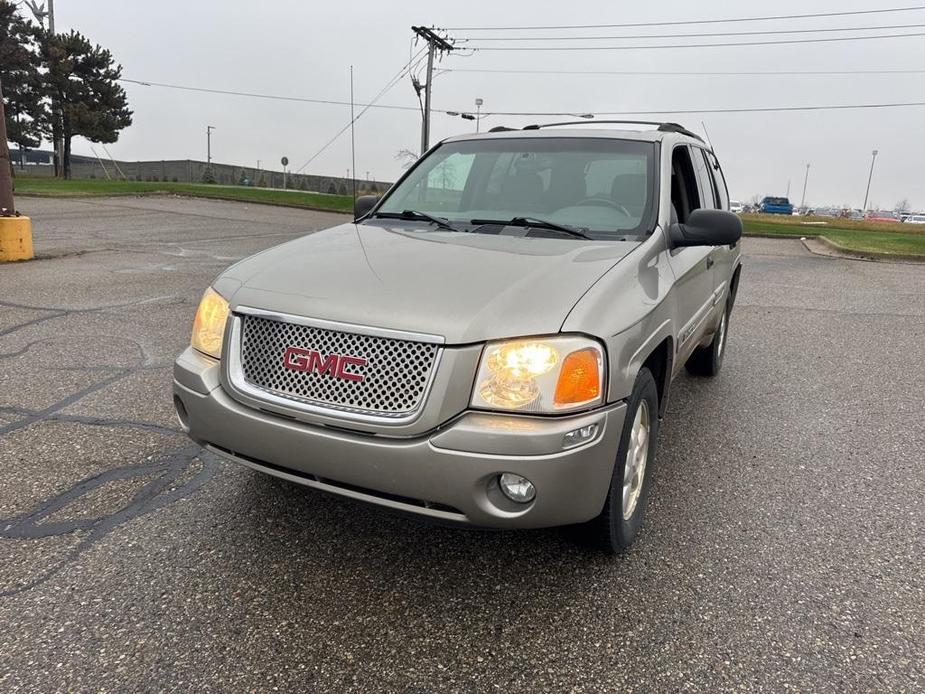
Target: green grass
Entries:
(877, 238)
(860, 236)
(92, 187)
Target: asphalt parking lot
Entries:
(784, 547)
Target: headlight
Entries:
(553, 374)
(209, 325)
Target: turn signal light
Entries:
(579, 378)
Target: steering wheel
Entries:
(603, 201)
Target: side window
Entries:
(685, 195)
(705, 178)
(721, 189)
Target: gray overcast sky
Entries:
(304, 49)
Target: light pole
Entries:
(478, 113)
(870, 176)
(805, 181)
(209, 129)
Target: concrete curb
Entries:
(835, 250)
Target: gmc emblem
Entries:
(311, 361)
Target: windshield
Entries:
(605, 185)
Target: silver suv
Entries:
(490, 343)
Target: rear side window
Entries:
(705, 178)
(722, 190)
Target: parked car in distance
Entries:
(772, 205)
(915, 219)
(736, 206)
(492, 343)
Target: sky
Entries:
(304, 49)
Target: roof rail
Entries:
(660, 126)
(501, 129)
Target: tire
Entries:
(616, 527)
(707, 361)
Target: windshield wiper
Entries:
(537, 224)
(415, 214)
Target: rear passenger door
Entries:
(693, 278)
(723, 257)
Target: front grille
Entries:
(396, 373)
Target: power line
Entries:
(758, 109)
(675, 73)
(254, 95)
(692, 21)
(691, 45)
(407, 68)
(763, 32)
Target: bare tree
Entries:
(902, 206)
(406, 157)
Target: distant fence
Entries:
(190, 171)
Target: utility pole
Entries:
(59, 140)
(6, 180)
(787, 195)
(41, 15)
(434, 43)
(805, 181)
(209, 129)
(870, 177)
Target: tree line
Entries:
(57, 86)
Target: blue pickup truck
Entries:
(776, 206)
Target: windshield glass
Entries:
(601, 185)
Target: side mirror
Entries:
(707, 228)
(363, 205)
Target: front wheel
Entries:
(616, 527)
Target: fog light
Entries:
(516, 488)
(579, 436)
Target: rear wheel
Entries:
(707, 361)
(617, 526)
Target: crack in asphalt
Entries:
(58, 312)
(163, 490)
(92, 420)
(167, 468)
(40, 415)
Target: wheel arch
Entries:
(655, 352)
(659, 363)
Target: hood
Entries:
(465, 287)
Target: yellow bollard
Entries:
(16, 239)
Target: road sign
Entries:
(284, 161)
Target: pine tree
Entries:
(19, 75)
(82, 79)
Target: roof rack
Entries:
(502, 129)
(660, 126)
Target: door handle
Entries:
(710, 261)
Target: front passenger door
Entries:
(690, 265)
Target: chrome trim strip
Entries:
(238, 385)
(693, 325)
(342, 327)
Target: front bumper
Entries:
(448, 474)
